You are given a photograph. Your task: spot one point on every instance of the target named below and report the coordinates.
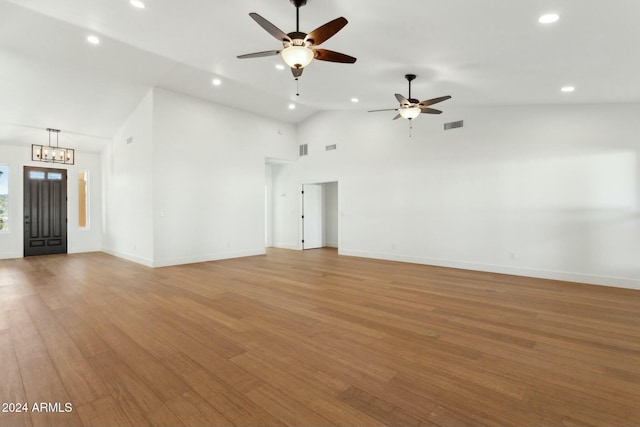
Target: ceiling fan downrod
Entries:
(298, 4)
(410, 78)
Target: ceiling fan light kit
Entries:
(296, 56)
(409, 113)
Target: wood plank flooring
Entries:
(310, 339)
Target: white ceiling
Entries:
(482, 52)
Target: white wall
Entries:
(285, 205)
(209, 178)
(547, 191)
(128, 188)
(78, 240)
(191, 185)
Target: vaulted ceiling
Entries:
(488, 52)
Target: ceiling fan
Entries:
(410, 108)
(299, 48)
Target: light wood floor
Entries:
(311, 338)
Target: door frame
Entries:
(27, 220)
(323, 202)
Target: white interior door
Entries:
(312, 218)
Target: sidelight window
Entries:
(4, 198)
(83, 199)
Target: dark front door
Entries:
(45, 211)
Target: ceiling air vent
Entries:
(330, 147)
(454, 125)
(304, 149)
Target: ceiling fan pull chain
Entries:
(410, 127)
(297, 87)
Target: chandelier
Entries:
(51, 154)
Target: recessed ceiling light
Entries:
(279, 67)
(216, 82)
(549, 18)
(137, 3)
(568, 89)
(355, 100)
(292, 106)
(93, 40)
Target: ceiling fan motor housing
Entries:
(297, 38)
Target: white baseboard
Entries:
(205, 258)
(83, 250)
(130, 257)
(286, 246)
(11, 255)
(591, 279)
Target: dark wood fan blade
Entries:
(434, 101)
(402, 100)
(331, 56)
(430, 110)
(386, 109)
(397, 116)
(259, 54)
(270, 28)
(297, 72)
(326, 31)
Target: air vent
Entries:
(304, 150)
(454, 125)
(330, 147)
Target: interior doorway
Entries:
(320, 218)
(45, 211)
(284, 207)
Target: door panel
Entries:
(45, 211)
